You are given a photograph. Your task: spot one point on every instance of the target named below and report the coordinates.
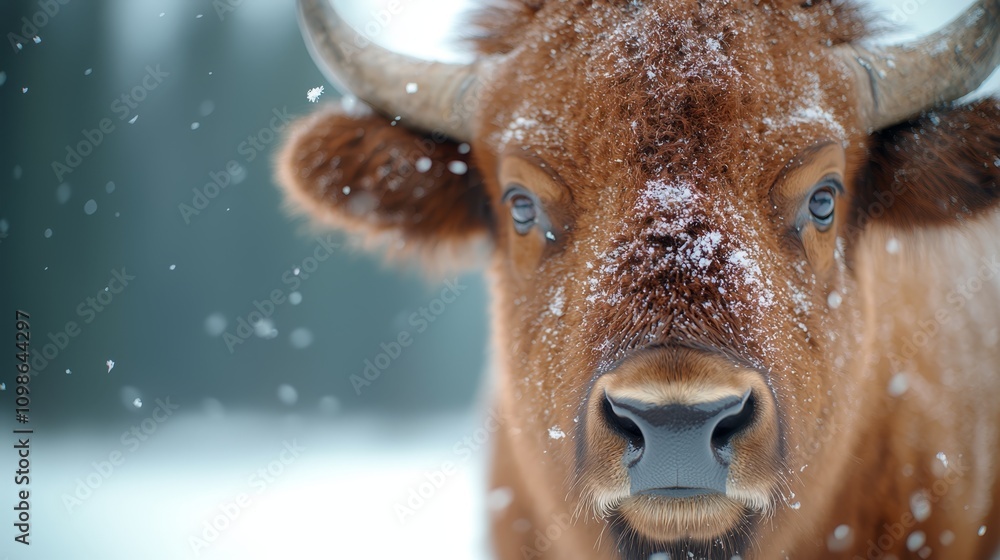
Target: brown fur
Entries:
(360, 173)
(675, 143)
(942, 168)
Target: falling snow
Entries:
(313, 94)
(264, 328)
(287, 394)
(898, 384)
(301, 338)
(892, 246)
(915, 541)
(834, 299)
(215, 324)
(920, 505)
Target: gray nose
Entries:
(679, 450)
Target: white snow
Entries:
(557, 304)
(943, 458)
(332, 500)
(517, 131)
(947, 537)
(314, 93)
(834, 299)
(301, 338)
(215, 324)
(666, 195)
(287, 394)
(499, 499)
(898, 384)
(892, 246)
(264, 328)
(423, 165)
(920, 505)
(915, 541)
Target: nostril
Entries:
(678, 447)
(731, 425)
(622, 425)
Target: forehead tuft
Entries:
(674, 86)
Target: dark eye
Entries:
(524, 210)
(821, 206)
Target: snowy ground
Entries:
(271, 487)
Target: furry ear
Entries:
(939, 170)
(405, 191)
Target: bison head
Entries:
(683, 201)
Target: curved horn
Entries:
(898, 82)
(446, 94)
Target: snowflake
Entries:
(313, 94)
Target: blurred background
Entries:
(193, 345)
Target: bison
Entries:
(743, 264)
